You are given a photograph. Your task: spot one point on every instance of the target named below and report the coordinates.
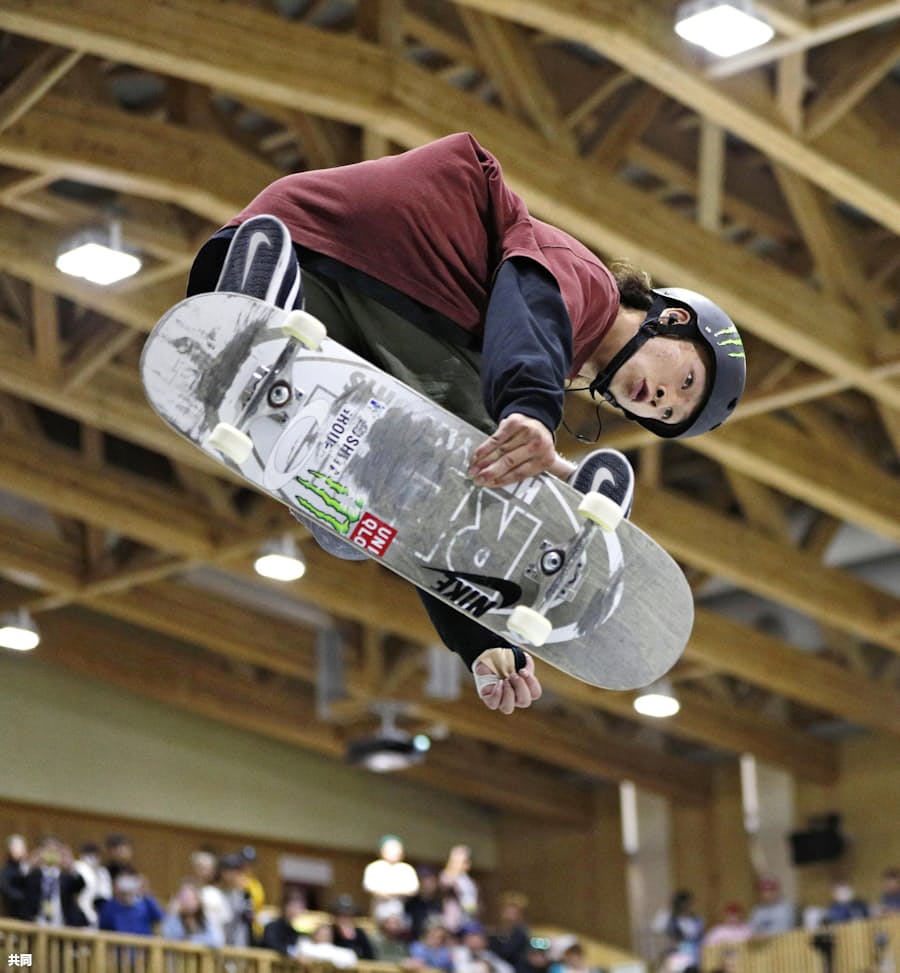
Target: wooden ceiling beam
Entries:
(822, 28)
(836, 258)
(788, 313)
(33, 82)
(703, 721)
(763, 660)
(28, 251)
(111, 401)
(38, 559)
(791, 74)
(590, 754)
(626, 129)
(639, 37)
(765, 566)
(45, 332)
(517, 74)
(124, 502)
(217, 624)
(841, 482)
(846, 80)
(711, 175)
(105, 147)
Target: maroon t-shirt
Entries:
(435, 223)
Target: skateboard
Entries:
(266, 393)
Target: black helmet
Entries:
(728, 366)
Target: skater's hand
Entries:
(521, 447)
(500, 686)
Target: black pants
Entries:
(437, 367)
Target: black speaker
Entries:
(821, 842)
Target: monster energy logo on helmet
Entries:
(708, 325)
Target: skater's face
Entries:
(665, 379)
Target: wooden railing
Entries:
(864, 946)
(64, 950)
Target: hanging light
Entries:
(18, 631)
(98, 257)
(657, 700)
(723, 29)
(390, 749)
(280, 560)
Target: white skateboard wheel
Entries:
(230, 442)
(309, 331)
(530, 625)
(602, 510)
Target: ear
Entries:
(674, 315)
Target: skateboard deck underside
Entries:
(385, 468)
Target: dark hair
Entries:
(634, 285)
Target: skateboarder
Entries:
(428, 265)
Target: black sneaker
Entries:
(261, 262)
(608, 472)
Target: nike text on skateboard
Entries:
(265, 392)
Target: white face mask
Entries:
(843, 893)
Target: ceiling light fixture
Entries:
(723, 29)
(18, 631)
(657, 700)
(391, 748)
(98, 257)
(280, 560)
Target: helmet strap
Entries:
(648, 329)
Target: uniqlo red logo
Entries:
(373, 535)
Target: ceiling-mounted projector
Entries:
(390, 749)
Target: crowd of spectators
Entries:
(419, 918)
(687, 934)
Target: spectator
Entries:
(432, 951)
(346, 933)
(537, 956)
(773, 914)
(12, 878)
(52, 886)
(97, 882)
(389, 879)
(119, 854)
(131, 909)
(472, 955)
(254, 888)
(889, 903)
(572, 958)
(460, 891)
(845, 906)
(320, 947)
(427, 902)
(390, 942)
(185, 920)
(283, 934)
(215, 905)
(683, 928)
(733, 929)
(233, 883)
(511, 938)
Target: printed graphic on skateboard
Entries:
(268, 394)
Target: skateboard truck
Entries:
(267, 387)
(560, 570)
